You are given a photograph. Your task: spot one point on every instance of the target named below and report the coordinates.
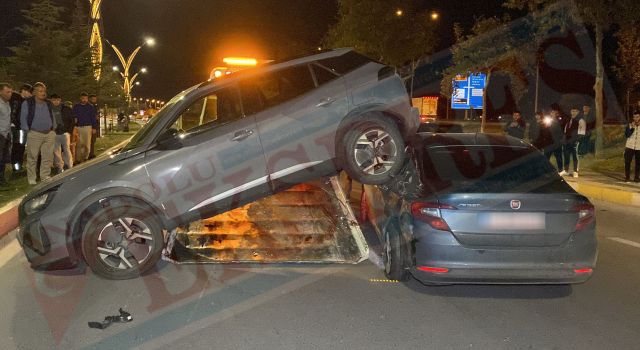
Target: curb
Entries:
(597, 191)
(9, 217)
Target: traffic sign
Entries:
(468, 91)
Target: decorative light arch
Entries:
(95, 41)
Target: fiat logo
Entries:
(515, 204)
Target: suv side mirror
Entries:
(169, 139)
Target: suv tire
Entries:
(372, 150)
(122, 240)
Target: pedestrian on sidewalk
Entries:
(583, 140)
(517, 126)
(93, 100)
(632, 148)
(84, 114)
(18, 135)
(36, 119)
(590, 119)
(64, 120)
(537, 132)
(5, 130)
(555, 138)
(570, 146)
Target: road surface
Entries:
(325, 306)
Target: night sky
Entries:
(193, 35)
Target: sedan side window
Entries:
(214, 110)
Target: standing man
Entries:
(85, 118)
(517, 126)
(538, 133)
(590, 119)
(5, 130)
(36, 119)
(554, 132)
(18, 135)
(570, 146)
(93, 99)
(632, 147)
(64, 128)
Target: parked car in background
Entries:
(480, 208)
(215, 147)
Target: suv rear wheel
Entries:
(122, 240)
(373, 150)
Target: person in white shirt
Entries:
(632, 149)
(5, 129)
(583, 139)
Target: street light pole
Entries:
(126, 66)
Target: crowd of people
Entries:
(567, 139)
(52, 134)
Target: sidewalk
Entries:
(9, 217)
(608, 187)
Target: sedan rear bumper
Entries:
(457, 263)
(502, 276)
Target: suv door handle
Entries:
(241, 135)
(325, 102)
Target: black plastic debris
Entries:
(122, 318)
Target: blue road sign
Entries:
(468, 91)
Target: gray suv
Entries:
(217, 146)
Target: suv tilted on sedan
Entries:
(214, 147)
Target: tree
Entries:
(491, 46)
(627, 66)
(600, 15)
(393, 32)
(44, 53)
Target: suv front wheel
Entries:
(373, 150)
(122, 240)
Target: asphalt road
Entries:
(325, 306)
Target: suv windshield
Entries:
(485, 169)
(141, 136)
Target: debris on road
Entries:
(122, 318)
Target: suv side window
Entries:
(322, 75)
(219, 108)
(281, 86)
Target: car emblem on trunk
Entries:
(515, 204)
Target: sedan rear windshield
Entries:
(485, 169)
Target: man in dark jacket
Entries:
(93, 100)
(570, 146)
(632, 147)
(517, 126)
(538, 133)
(64, 128)
(555, 138)
(87, 123)
(18, 135)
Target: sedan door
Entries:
(214, 164)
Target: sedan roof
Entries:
(431, 140)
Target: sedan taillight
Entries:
(430, 213)
(586, 215)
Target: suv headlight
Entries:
(38, 203)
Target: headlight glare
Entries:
(36, 204)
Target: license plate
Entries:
(513, 221)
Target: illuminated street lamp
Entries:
(434, 15)
(126, 65)
(399, 12)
